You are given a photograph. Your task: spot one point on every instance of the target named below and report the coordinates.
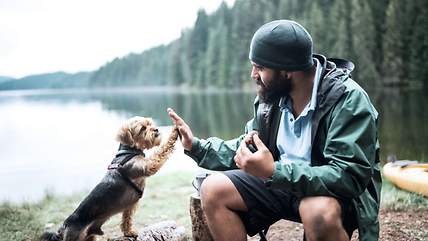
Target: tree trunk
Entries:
(200, 231)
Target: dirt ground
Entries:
(409, 225)
(395, 226)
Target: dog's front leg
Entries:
(156, 161)
(126, 225)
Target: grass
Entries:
(166, 198)
(397, 199)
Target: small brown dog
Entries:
(122, 186)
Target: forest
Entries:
(386, 39)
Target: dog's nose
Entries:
(156, 130)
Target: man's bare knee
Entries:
(211, 190)
(320, 215)
(218, 191)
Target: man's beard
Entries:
(279, 86)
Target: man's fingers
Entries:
(237, 161)
(259, 144)
(243, 149)
(174, 116)
(252, 133)
(248, 140)
(249, 137)
(183, 132)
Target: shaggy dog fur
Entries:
(113, 194)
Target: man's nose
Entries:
(254, 73)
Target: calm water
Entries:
(62, 141)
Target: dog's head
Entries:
(139, 132)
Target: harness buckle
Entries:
(113, 166)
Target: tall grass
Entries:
(397, 199)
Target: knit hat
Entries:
(282, 45)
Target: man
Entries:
(315, 159)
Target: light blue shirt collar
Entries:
(294, 134)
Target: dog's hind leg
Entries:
(126, 225)
(91, 238)
(73, 233)
(94, 229)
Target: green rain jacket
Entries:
(345, 147)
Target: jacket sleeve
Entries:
(216, 154)
(349, 154)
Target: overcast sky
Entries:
(40, 36)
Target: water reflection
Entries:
(403, 118)
(62, 140)
(208, 113)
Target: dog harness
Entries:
(124, 154)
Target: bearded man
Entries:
(309, 155)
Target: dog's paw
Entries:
(174, 133)
(131, 234)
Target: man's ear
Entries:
(286, 74)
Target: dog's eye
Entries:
(142, 130)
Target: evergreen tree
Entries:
(314, 23)
(338, 34)
(399, 25)
(387, 40)
(378, 9)
(362, 27)
(287, 9)
(419, 44)
(174, 68)
(197, 47)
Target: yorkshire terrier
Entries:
(122, 186)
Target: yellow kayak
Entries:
(408, 175)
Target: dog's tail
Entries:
(50, 236)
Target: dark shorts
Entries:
(267, 205)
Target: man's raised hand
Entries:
(186, 135)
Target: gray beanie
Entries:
(282, 45)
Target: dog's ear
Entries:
(124, 136)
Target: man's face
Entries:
(271, 84)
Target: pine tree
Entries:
(419, 44)
(378, 8)
(197, 47)
(314, 23)
(338, 34)
(362, 27)
(395, 39)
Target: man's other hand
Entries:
(186, 135)
(259, 163)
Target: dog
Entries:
(122, 186)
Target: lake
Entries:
(61, 141)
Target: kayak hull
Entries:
(412, 177)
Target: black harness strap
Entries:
(124, 154)
(263, 233)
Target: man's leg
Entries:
(220, 200)
(322, 219)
